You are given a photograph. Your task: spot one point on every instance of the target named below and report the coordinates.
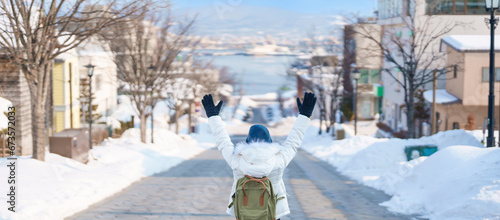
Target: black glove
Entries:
(210, 108)
(306, 108)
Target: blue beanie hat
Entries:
(258, 133)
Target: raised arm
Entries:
(224, 143)
(294, 139)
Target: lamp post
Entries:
(491, 5)
(90, 72)
(150, 73)
(355, 75)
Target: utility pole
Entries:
(189, 115)
(490, 140)
(433, 111)
(152, 126)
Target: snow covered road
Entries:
(199, 188)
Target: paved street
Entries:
(199, 189)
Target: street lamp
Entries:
(150, 73)
(491, 5)
(90, 73)
(355, 75)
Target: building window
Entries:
(455, 67)
(486, 74)
(395, 8)
(439, 6)
(458, 7)
(98, 82)
(369, 76)
(351, 45)
(456, 125)
(476, 7)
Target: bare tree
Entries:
(188, 83)
(145, 55)
(227, 82)
(179, 91)
(34, 32)
(226, 77)
(331, 87)
(336, 89)
(411, 52)
(326, 83)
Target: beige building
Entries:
(364, 53)
(467, 86)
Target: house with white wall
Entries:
(470, 13)
(104, 79)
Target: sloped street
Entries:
(199, 189)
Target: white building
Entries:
(104, 80)
(471, 13)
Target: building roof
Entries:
(469, 43)
(442, 97)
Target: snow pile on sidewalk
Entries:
(460, 181)
(60, 187)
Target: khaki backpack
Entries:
(254, 199)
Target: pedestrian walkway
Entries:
(199, 189)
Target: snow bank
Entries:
(457, 182)
(478, 134)
(382, 164)
(124, 111)
(337, 153)
(60, 187)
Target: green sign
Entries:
(378, 91)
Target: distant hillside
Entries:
(245, 20)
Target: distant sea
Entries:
(255, 74)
